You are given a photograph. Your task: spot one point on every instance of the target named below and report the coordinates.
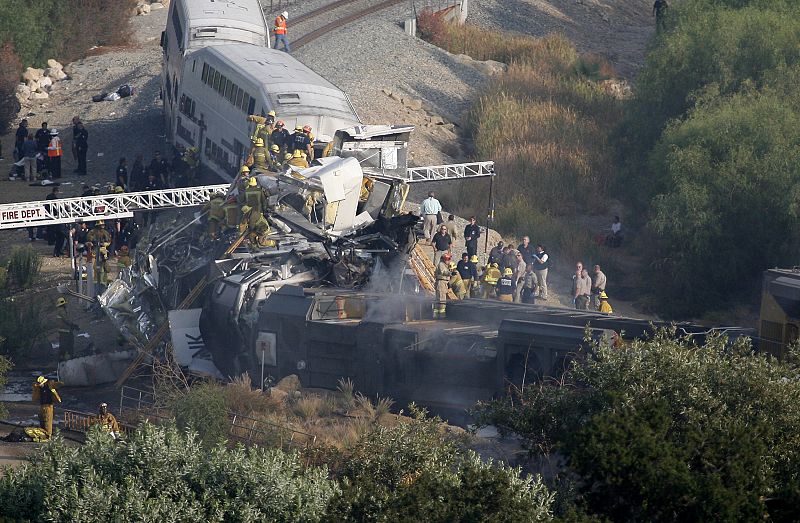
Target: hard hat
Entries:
(603, 295)
(508, 271)
(259, 142)
(285, 14)
(253, 182)
(118, 189)
(452, 266)
(101, 223)
(104, 405)
(307, 128)
(246, 209)
(61, 301)
(495, 266)
(245, 169)
(53, 132)
(297, 154)
(288, 156)
(274, 148)
(41, 380)
(298, 127)
(279, 123)
(474, 258)
(271, 113)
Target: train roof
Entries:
(290, 86)
(237, 13)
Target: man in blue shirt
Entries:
(430, 210)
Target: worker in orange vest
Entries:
(54, 154)
(280, 31)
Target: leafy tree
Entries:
(202, 408)
(664, 430)
(163, 475)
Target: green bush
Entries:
(203, 409)
(161, 474)
(22, 325)
(24, 265)
(664, 430)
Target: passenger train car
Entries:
(218, 69)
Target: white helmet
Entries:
(285, 14)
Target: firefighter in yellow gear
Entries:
(100, 239)
(231, 211)
(244, 179)
(44, 391)
(442, 275)
(66, 329)
(475, 287)
(490, 277)
(366, 189)
(263, 128)
(192, 159)
(124, 257)
(256, 226)
(254, 196)
(456, 283)
(216, 214)
(298, 159)
(108, 422)
(307, 132)
(260, 161)
(605, 306)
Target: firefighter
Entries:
(124, 258)
(475, 288)
(216, 214)
(280, 136)
(605, 306)
(66, 331)
(231, 211)
(506, 285)
(254, 196)
(307, 132)
(263, 128)
(298, 160)
(299, 141)
(456, 283)
(107, 420)
(442, 275)
(490, 277)
(270, 120)
(100, 239)
(260, 156)
(45, 391)
(273, 160)
(192, 161)
(244, 180)
(256, 227)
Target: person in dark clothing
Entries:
(81, 144)
(153, 184)
(526, 250)
(160, 168)
(61, 233)
(121, 178)
(441, 242)
(138, 176)
(280, 136)
(42, 137)
(299, 141)
(496, 254)
(506, 285)
(509, 260)
(19, 139)
(660, 12)
(471, 235)
(51, 229)
(75, 121)
(80, 238)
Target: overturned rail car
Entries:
(389, 345)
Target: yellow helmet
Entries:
(274, 148)
(259, 142)
(271, 113)
(474, 258)
(288, 156)
(245, 169)
(495, 266)
(41, 380)
(297, 154)
(603, 295)
(253, 182)
(246, 209)
(508, 272)
(298, 127)
(101, 223)
(61, 301)
(118, 189)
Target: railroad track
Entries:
(340, 22)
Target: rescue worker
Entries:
(192, 161)
(54, 153)
(273, 160)
(506, 285)
(100, 239)
(490, 278)
(66, 331)
(260, 155)
(107, 420)
(280, 136)
(367, 184)
(263, 128)
(124, 258)
(465, 271)
(216, 214)
(244, 180)
(230, 210)
(299, 141)
(476, 282)
(254, 196)
(281, 31)
(271, 119)
(286, 158)
(307, 132)
(456, 283)
(45, 391)
(256, 227)
(442, 275)
(298, 160)
(529, 285)
(605, 306)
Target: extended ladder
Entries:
(425, 271)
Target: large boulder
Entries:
(491, 67)
(23, 93)
(45, 82)
(32, 73)
(143, 9)
(33, 85)
(412, 103)
(54, 64)
(39, 96)
(55, 74)
(156, 5)
(289, 384)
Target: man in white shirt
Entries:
(615, 238)
(541, 262)
(430, 210)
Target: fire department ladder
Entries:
(425, 271)
(102, 207)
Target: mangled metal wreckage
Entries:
(333, 224)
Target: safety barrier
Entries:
(77, 421)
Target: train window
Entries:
(245, 102)
(289, 98)
(176, 24)
(215, 84)
(180, 104)
(204, 74)
(239, 96)
(208, 148)
(251, 107)
(229, 88)
(210, 79)
(168, 88)
(194, 65)
(238, 149)
(221, 87)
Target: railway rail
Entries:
(339, 22)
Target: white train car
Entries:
(195, 24)
(221, 85)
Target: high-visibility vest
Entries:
(280, 25)
(54, 149)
